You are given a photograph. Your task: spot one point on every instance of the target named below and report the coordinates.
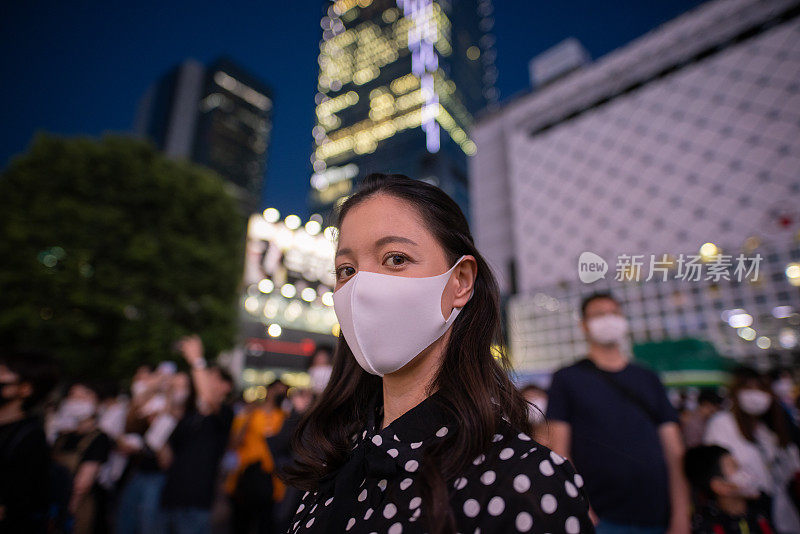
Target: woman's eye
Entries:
(396, 260)
(344, 272)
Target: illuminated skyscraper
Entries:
(217, 115)
(399, 83)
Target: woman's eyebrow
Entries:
(379, 243)
(394, 239)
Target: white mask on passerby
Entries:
(754, 401)
(387, 320)
(319, 374)
(609, 329)
(72, 412)
(748, 487)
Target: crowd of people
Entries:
(709, 460)
(176, 452)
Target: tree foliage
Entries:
(110, 252)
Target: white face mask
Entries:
(754, 401)
(78, 409)
(319, 374)
(387, 320)
(608, 329)
(748, 487)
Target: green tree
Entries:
(110, 252)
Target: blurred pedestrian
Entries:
(151, 418)
(785, 389)
(25, 379)
(693, 422)
(614, 420)
(82, 451)
(196, 446)
(320, 369)
(251, 486)
(727, 502)
(420, 428)
(755, 431)
(280, 447)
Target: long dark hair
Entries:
(774, 418)
(472, 381)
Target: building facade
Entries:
(287, 300)
(399, 83)
(219, 116)
(684, 143)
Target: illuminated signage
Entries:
(289, 274)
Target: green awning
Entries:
(685, 362)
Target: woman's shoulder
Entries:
(514, 453)
(518, 483)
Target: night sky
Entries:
(80, 67)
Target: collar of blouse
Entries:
(385, 454)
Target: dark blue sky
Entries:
(79, 66)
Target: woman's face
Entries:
(386, 235)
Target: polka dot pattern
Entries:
(514, 485)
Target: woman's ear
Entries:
(464, 281)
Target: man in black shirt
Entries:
(612, 418)
(196, 446)
(81, 451)
(25, 378)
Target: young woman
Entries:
(419, 428)
(756, 433)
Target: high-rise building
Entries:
(217, 115)
(399, 83)
(685, 143)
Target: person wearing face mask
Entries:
(195, 448)
(755, 431)
(82, 451)
(420, 428)
(727, 500)
(614, 420)
(320, 369)
(785, 390)
(25, 379)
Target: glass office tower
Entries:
(399, 84)
(218, 115)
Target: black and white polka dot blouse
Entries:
(517, 485)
